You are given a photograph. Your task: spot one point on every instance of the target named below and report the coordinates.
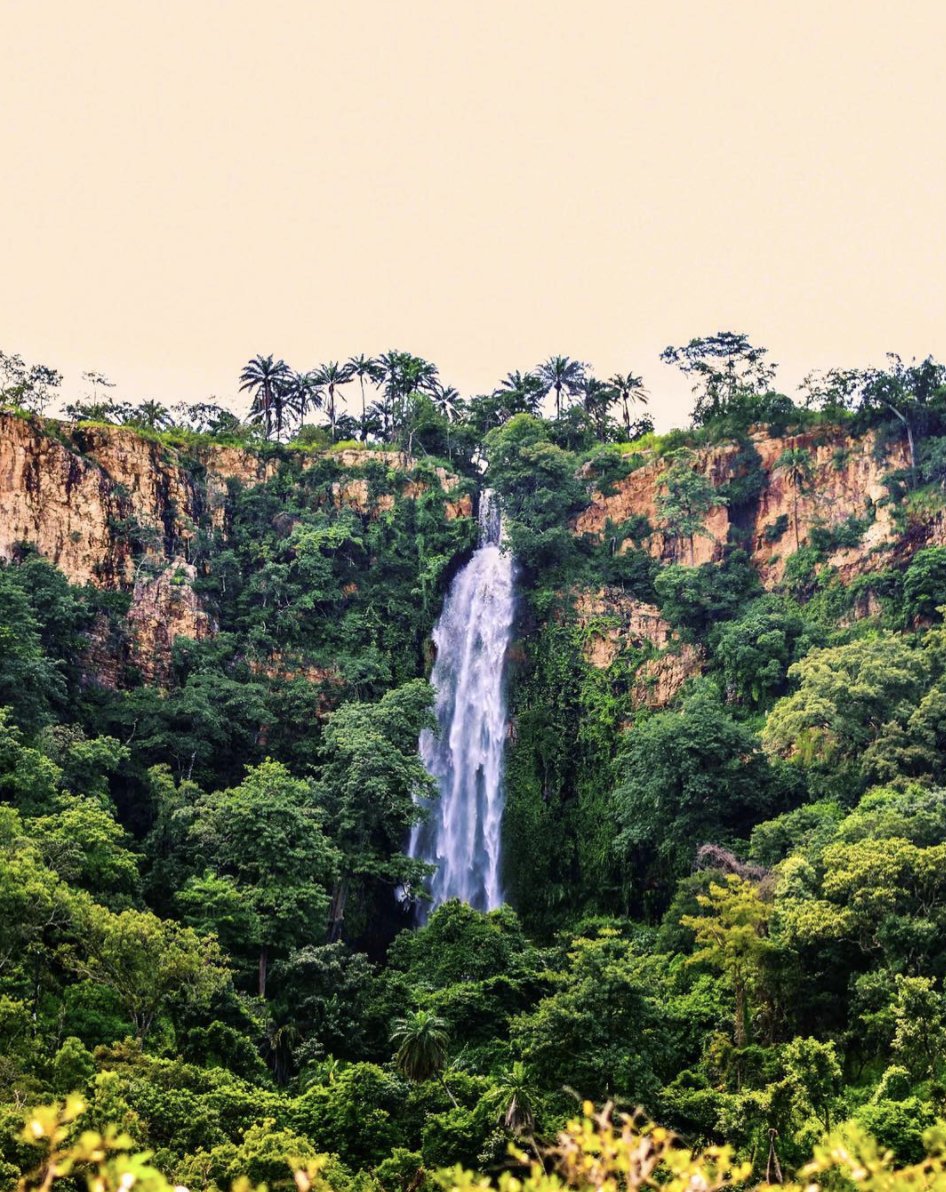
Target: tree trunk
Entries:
(740, 1023)
(446, 1089)
(337, 913)
(910, 444)
(263, 964)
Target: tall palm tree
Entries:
(558, 373)
(795, 464)
(365, 368)
(630, 388)
(266, 379)
(421, 1041)
(328, 378)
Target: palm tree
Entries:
(522, 391)
(558, 373)
(152, 415)
(630, 388)
(512, 1099)
(402, 374)
(598, 397)
(301, 394)
(365, 367)
(446, 400)
(266, 380)
(795, 462)
(328, 377)
(421, 1041)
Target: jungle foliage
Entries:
(726, 906)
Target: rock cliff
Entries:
(120, 510)
(842, 478)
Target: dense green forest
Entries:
(728, 909)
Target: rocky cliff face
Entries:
(115, 509)
(118, 510)
(843, 478)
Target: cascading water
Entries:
(462, 834)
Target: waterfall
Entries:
(462, 834)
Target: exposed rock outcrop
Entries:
(163, 608)
(612, 622)
(843, 478)
(119, 510)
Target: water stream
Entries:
(462, 835)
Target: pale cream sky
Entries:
(189, 182)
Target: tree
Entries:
(85, 845)
(401, 375)
(920, 1035)
(595, 1033)
(327, 379)
(34, 902)
(697, 599)
(812, 1068)
(268, 381)
(207, 418)
(907, 391)
(27, 386)
(519, 393)
(845, 696)
(924, 583)
(723, 366)
(795, 465)
(446, 400)
(560, 373)
(687, 778)
(267, 835)
(512, 1097)
(146, 961)
(30, 681)
(630, 390)
(421, 1041)
(731, 936)
(371, 781)
(687, 497)
(537, 484)
(365, 368)
(151, 415)
(302, 393)
(597, 398)
(97, 381)
(755, 651)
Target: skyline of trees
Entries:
(732, 384)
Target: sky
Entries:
(484, 183)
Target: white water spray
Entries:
(462, 835)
